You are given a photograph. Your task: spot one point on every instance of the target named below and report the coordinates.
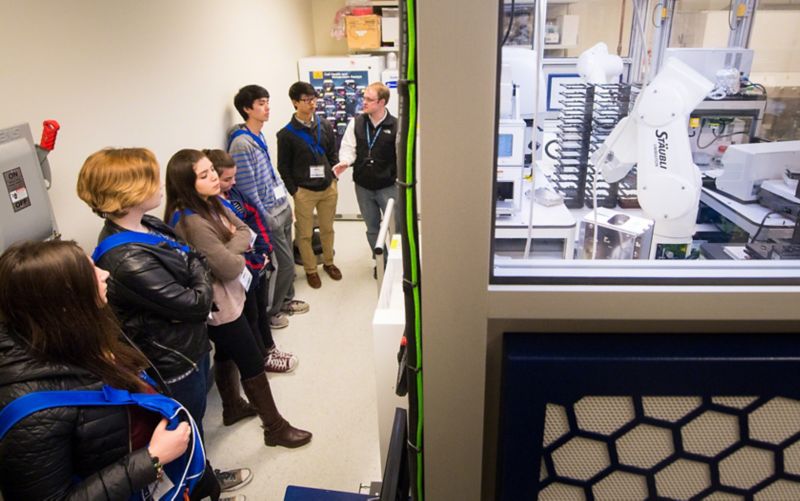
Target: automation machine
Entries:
(515, 103)
(654, 137)
(747, 166)
(25, 211)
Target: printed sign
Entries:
(17, 191)
(341, 96)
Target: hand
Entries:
(266, 258)
(168, 445)
(339, 168)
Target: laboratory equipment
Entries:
(654, 137)
(718, 123)
(783, 197)
(589, 111)
(518, 76)
(389, 77)
(26, 211)
(619, 235)
(707, 62)
(747, 166)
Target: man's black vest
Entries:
(376, 169)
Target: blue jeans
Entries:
(192, 391)
(372, 203)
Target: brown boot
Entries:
(234, 407)
(277, 431)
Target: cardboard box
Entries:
(363, 32)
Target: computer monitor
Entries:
(511, 143)
(395, 484)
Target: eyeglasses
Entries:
(308, 100)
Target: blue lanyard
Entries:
(178, 215)
(188, 212)
(316, 148)
(371, 142)
(127, 237)
(259, 139)
(227, 203)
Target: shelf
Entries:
(380, 50)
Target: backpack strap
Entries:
(183, 472)
(128, 237)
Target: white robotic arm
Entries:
(597, 66)
(654, 136)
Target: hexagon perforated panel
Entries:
(720, 448)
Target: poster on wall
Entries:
(341, 95)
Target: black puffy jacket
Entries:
(161, 297)
(43, 454)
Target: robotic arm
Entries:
(654, 137)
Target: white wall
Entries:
(324, 13)
(158, 74)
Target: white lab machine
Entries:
(510, 166)
(747, 166)
(518, 77)
(708, 62)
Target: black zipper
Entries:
(194, 365)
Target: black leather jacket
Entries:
(161, 297)
(43, 454)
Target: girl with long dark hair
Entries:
(56, 333)
(200, 218)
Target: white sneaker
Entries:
(231, 480)
(295, 307)
(279, 320)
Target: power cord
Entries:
(761, 226)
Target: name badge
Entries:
(246, 279)
(253, 237)
(316, 171)
(279, 191)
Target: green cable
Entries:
(410, 223)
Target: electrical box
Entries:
(25, 208)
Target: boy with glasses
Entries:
(306, 154)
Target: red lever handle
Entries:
(49, 133)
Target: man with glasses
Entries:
(369, 146)
(306, 154)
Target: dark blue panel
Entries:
(295, 493)
(562, 368)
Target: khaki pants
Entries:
(305, 201)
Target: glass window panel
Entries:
(546, 228)
(775, 38)
(573, 26)
(698, 23)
